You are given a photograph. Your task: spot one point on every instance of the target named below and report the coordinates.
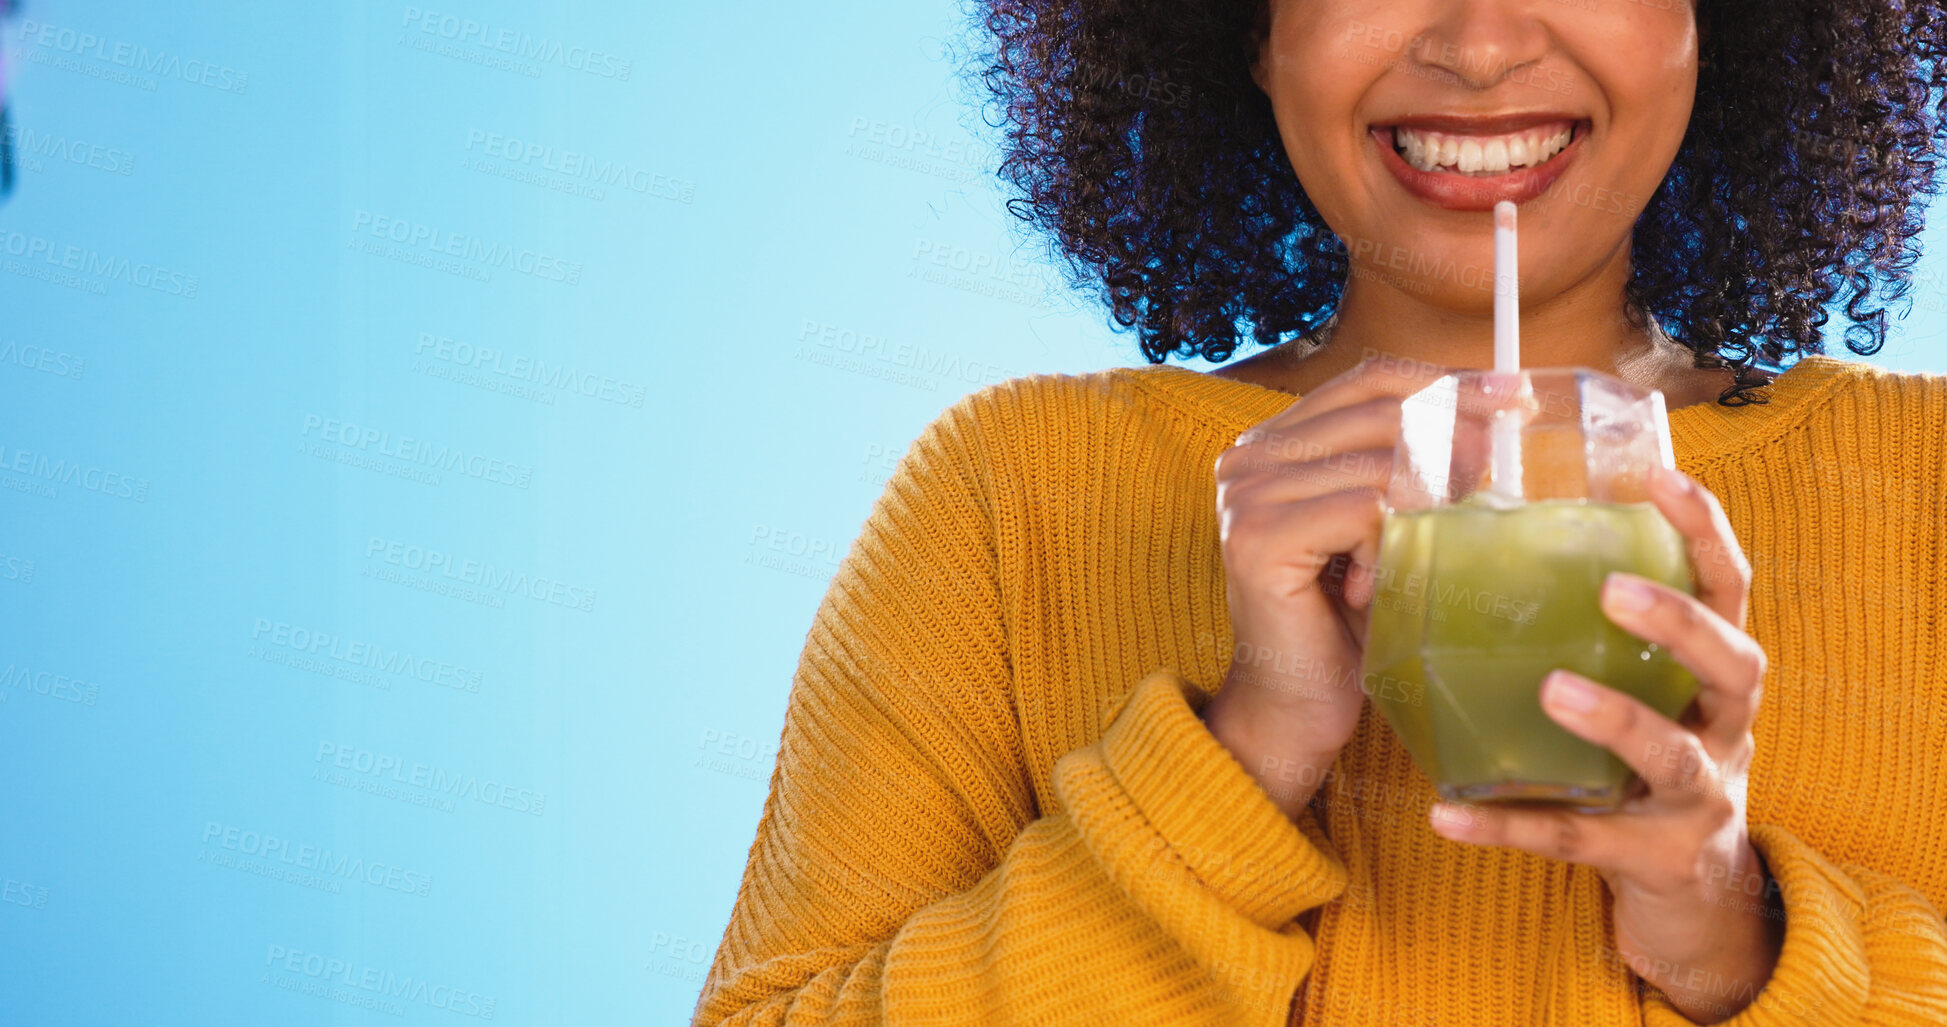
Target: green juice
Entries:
(1475, 605)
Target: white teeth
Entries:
(1494, 155)
(1479, 155)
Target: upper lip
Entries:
(1479, 124)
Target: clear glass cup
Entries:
(1479, 595)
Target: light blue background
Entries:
(790, 174)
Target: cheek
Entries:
(1322, 70)
(1646, 72)
(1650, 123)
(1639, 68)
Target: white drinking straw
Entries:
(1506, 437)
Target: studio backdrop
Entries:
(425, 436)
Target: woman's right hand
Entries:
(1295, 491)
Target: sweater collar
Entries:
(1699, 432)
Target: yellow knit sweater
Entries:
(994, 802)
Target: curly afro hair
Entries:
(1133, 134)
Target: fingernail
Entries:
(1449, 819)
(1626, 593)
(1676, 481)
(1565, 691)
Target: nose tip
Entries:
(1480, 47)
(1480, 67)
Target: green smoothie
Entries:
(1475, 605)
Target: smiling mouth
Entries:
(1482, 154)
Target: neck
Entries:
(1581, 326)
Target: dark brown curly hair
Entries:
(1133, 134)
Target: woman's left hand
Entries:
(1691, 894)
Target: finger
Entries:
(1314, 528)
(1491, 399)
(1668, 757)
(1728, 663)
(1367, 424)
(1275, 481)
(1351, 578)
(1723, 574)
(1368, 379)
(1597, 841)
(1361, 579)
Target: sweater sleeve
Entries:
(1861, 947)
(902, 871)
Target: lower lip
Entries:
(1470, 192)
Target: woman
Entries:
(1076, 737)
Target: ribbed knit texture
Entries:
(994, 802)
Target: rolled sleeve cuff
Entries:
(1217, 819)
(1821, 977)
